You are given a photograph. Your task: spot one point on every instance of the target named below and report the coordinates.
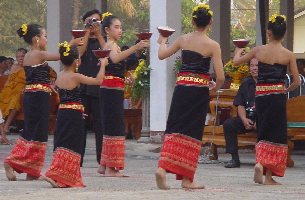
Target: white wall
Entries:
(299, 32)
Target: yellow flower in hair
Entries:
(66, 45)
(24, 28)
(274, 16)
(201, 5)
(210, 13)
(106, 14)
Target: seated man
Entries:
(245, 122)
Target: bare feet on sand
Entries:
(188, 184)
(161, 179)
(112, 172)
(4, 140)
(101, 169)
(258, 173)
(9, 171)
(269, 180)
(51, 181)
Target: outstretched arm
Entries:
(164, 51)
(82, 79)
(240, 59)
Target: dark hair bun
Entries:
(277, 25)
(202, 15)
(27, 32)
(68, 53)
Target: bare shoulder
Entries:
(213, 43)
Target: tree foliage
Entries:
(134, 15)
(13, 14)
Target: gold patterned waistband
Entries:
(72, 106)
(192, 79)
(38, 87)
(269, 88)
(109, 77)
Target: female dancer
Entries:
(185, 123)
(29, 153)
(270, 101)
(69, 134)
(112, 96)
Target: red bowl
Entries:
(101, 53)
(241, 43)
(78, 33)
(165, 31)
(144, 35)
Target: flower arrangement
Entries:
(236, 73)
(230, 68)
(141, 80)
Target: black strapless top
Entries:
(37, 74)
(195, 62)
(271, 73)
(115, 69)
(67, 96)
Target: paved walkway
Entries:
(221, 183)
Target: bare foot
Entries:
(9, 171)
(258, 173)
(161, 179)
(188, 184)
(101, 169)
(32, 178)
(112, 172)
(271, 181)
(51, 181)
(4, 140)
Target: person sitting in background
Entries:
(245, 121)
(11, 93)
(9, 63)
(3, 65)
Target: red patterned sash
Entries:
(112, 82)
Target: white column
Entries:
(259, 39)
(162, 79)
(53, 28)
(59, 25)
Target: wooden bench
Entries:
(295, 122)
(226, 98)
